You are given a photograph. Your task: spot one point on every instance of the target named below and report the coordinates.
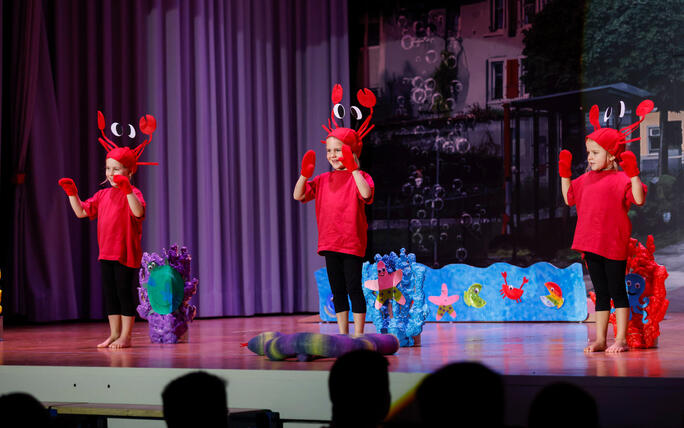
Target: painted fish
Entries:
(555, 298)
(471, 296)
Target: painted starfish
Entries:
(444, 303)
(386, 286)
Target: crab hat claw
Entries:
(366, 98)
(148, 124)
(644, 108)
(594, 117)
(337, 93)
(100, 120)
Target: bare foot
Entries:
(618, 346)
(107, 342)
(595, 347)
(122, 342)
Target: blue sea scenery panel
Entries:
(500, 292)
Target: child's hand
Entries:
(564, 164)
(69, 186)
(308, 164)
(347, 159)
(629, 164)
(123, 184)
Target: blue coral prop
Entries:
(309, 346)
(165, 289)
(403, 321)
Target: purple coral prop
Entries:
(169, 328)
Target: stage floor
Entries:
(528, 349)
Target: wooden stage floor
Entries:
(61, 363)
(532, 349)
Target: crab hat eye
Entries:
(356, 113)
(131, 131)
(607, 114)
(622, 109)
(338, 109)
(117, 129)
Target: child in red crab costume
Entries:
(603, 196)
(120, 210)
(341, 196)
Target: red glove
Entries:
(69, 186)
(347, 159)
(308, 164)
(564, 163)
(629, 164)
(123, 184)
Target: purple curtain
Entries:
(239, 90)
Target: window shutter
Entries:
(512, 67)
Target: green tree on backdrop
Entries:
(553, 49)
(578, 44)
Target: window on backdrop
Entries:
(496, 81)
(497, 15)
(653, 139)
(528, 11)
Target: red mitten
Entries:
(123, 184)
(69, 186)
(347, 159)
(629, 164)
(308, 164)
(564, 164)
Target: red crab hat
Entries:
(612, 140)
(128, 157)
(350, 137)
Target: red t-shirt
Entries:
(119, 232)
(340, 213)
(603, 199)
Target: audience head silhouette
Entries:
(544, 408)
(463, 395)
(359, 389)
(196, 399)
(19, 409)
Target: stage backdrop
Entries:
(239, 90)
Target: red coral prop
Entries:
(640, 261)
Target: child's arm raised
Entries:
(308, 165)
(629, 165)
(133, 202)
(72, 192)
(348, 161)
(565, 172)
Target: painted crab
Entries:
(511, 292)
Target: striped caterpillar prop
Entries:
(309, 346)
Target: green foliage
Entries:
(661, 215)
(638, 42)
(443, 76)
(574, 44)
(553, 49)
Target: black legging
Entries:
(608, 277)
(344, 275)
(119, 283)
